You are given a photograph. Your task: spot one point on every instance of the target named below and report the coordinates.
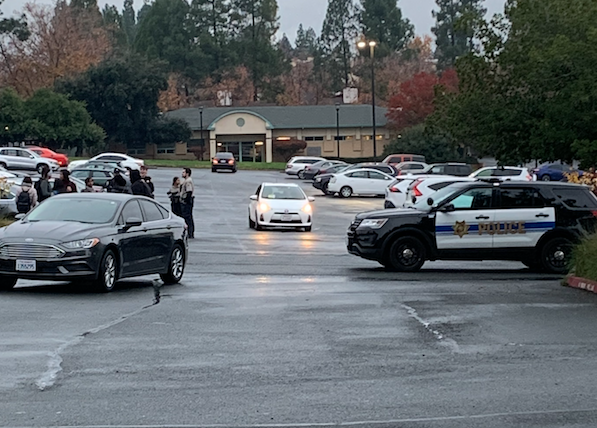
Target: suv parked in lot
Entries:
(298, 163)
(536, 223)
(18, 158)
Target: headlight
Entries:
(81, 244)
(307, 208)
(374, 223)
(264, 207)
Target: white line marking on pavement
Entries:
(451, 343)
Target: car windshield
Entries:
(438, 197)
(224, 155)
(80, 210)
(282, 192)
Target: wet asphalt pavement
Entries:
(285, 329)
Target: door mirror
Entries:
(132, 222)
(311, 199)
(448, 208)
(253, 197)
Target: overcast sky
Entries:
(308, 12)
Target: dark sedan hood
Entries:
(398, 212)
(44, 231)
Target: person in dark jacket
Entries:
(88, 186)
(139, 186)
(147, 179)
(63, 184)
(43, 186)
(174, 195)
(118, 184)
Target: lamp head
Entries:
(372, 44)
(362, 44)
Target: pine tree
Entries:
(456, 22)
(212, 27)
(305, 43)
(129, 24)
(338, 36)
(382, 21)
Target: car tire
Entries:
(346, 192)
(308, 228)
(545, 177)
(257, 225)
(251, 223)
(234, 171)
(40, 167)
(556, 255)
(213, 170)
(108, 273)
(7, 283)
(176, 265)
(3, 165)
(407, 254)
(301, 174)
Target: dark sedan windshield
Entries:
(95, 211)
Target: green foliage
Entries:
(166, 131)
(456, 24)
(305, 43)
(381, 20)
(47, 118)
(419, 140)
(586, 152)
(584, 258)
(16, 26)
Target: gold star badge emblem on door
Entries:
(461, 228)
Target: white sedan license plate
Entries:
(26, 266)
(286, 218)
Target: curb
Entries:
(581, 283)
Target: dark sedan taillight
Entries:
(231, 161)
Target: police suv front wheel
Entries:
(556, 254)
(407, 254)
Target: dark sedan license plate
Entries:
(26, 266)
(223, 161)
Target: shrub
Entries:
(584, 257)
(286, 149)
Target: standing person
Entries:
(147, 179)
(187, 200)
(26, 196)
(139, 186)
(43, 186)
(174, 195)
(63, 184)
(117, 184)
(88, 186)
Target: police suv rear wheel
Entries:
(556, 254)
(407, 254)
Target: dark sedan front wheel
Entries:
(108, 273)
(7, 283)
(175, 266)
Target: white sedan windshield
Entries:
(282, 192)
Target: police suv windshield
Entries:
(438, 197)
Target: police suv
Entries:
(536, 223)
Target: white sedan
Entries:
(280, 205)
(125, 161)
(361, 182)
(506, 173)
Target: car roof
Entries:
(112, 154)
(119, 197)
(363, 169)
(281, 184)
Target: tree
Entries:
(306, 43)
(419, 140)
(286, 149)
(285, 47)
(381, 20)
(129, 23)
(337, 41)
(17, 27)
(456, 24)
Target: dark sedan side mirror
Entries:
(132, 222)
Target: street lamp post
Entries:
(338, 129)
(201, 125)
(363, 44)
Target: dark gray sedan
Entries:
(96, 237)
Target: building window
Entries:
(313, 138)
(135, 152)
(368, 137)
(165, 150)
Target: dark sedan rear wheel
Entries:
(175, 266)
(108, 273)
(7, 283)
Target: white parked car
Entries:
(360, 182)
(425, 186)
(298, 163)
(280, 205)
(19, 158)
(506, 173)
(125, 161)
(396, 192)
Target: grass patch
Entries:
(584, 258)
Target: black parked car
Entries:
(322, 180)
(223, 160)
(100, 177)
(98, 237)
(536, 223)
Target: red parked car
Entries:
(44, 152)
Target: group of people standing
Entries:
(182, 199)
(29, 195)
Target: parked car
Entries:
(280, 205)
(401, 158)
(503, 173)
(320, 167)
(97, 238)
(104, 166)
(44, 152)
(424, 187)
(223, 160)
(555, 172)
(450, 168)
(19, 158)
(125, 161)
(396, 192)
(322, 181)
(410, 167)
(100, 177)
(360, 182)
(298, 163)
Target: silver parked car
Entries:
(19, 158)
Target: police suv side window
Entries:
(473, 199)
(527, 197)
(576, 198)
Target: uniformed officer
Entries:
(187, 200)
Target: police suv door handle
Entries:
(542, 215)
(482, 217)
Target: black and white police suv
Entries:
(536, 223)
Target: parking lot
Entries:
(285, 329)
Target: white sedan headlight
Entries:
(307, 209)
(264, 207)
(82, 244)
(374, 223)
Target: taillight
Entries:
(288, 166)
(231, 161)
(529, 178)
(416, 190)
(394, 189)
(594, 213)
(214, 160)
